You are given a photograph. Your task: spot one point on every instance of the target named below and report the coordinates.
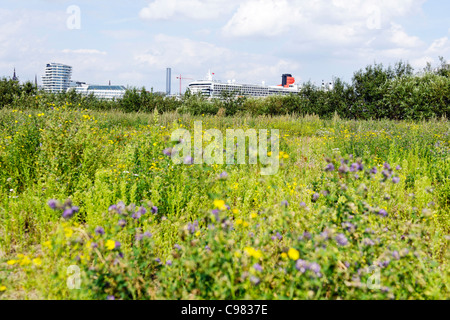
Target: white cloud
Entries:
(194, 58)
(439, 47)
(191, 9)
(84, 51)
(348, 20)
(400, 38)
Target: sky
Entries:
(132, 43)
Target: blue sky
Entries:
(132, 42)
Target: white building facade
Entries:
(56, 78)
(101, 92)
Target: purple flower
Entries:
(223, 176)
(384, 264)
(302, 265)
(168, 151)
(53, 204)
(257, 267)
(315, 267)
(305, 235)
(398, 168)
(395, 179)
(368, 242)
(215, 212)
(284, 203)
(148, 234)
(382, 212)
(120, 207)
(118, 245)
(329, 167)
(154, 209)
(255, 280)
(68, 213)
(302, 204)
(139, 237)
(396, 255)
(348, 226)
(177, 246)
(354, 167)
(94, 245)
(169, 262)
(142, 210)
(136, 215)
(386, 173)
(315, 197)
(112, 208)
(99, 231)
(188, 160)
(192, 227)
(277, 236)
(325, 235)
(110, 298)
(341, 240)
(75, 209)
(343, 168)
(373, 170)
(387, 166)
(207, 248)
(122, 223)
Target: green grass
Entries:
(98, 159)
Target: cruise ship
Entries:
(212, 88)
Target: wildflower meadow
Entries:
(93, 207)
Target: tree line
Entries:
(375, 92)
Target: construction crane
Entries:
(181, 79)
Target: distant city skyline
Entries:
(132, 43)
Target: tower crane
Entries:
(181, 79)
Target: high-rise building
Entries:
(168, 81)
(57, 77)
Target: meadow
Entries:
(89, 199)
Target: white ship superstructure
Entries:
(213, 88)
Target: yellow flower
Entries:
(237, 254)
(246, 224)
(257, 254)
(249, 251)
(285, 156)
(253, 253)
(110, 244)
(238, 222)
(254, 215)
(47, 244)
(2, 288)
(220, 204)
(37, 261)
(235, 211)
(293, 254)
(198, 233)
(25, 261)
(68, 232)
(12, 262)
(284, 255)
